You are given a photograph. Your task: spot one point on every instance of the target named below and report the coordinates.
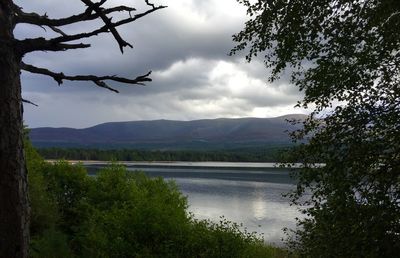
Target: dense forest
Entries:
(271, 154)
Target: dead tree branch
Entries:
(42, 44)
(29, 102)
(93, 11)
(44, 20)
(98, 80)
(107, 21)
(55, 44)
(103, 29)
(58, 30)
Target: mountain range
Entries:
(221, 133)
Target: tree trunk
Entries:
(14, 206)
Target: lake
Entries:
(246, 193)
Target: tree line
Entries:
(272, 154)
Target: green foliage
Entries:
(68, 185)
(123, 214)
(43, 208)
(46, 239)
(132, 215)
(51, 243)
(225, 239)
(344, 55)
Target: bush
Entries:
(133, 215)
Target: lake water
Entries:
(246, 193)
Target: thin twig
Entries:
(29, 102)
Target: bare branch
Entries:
(149, 4)
(98, 80)
(137, 16)
(29, 102)
(50, 44)
(59, 31)
(92, 7)
(42, 44)
(44, 20)
(104, 29)
(53, 28)
(107, 21)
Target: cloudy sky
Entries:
(185, 45)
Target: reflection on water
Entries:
(259, 206)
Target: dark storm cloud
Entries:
(185, 45)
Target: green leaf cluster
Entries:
(345, 57)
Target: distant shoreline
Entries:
(183, 164)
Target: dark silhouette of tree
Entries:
(345, 56)
(14, 206)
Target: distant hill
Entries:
(222, 133)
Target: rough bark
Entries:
(14, 206)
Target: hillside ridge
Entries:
(171, 134)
